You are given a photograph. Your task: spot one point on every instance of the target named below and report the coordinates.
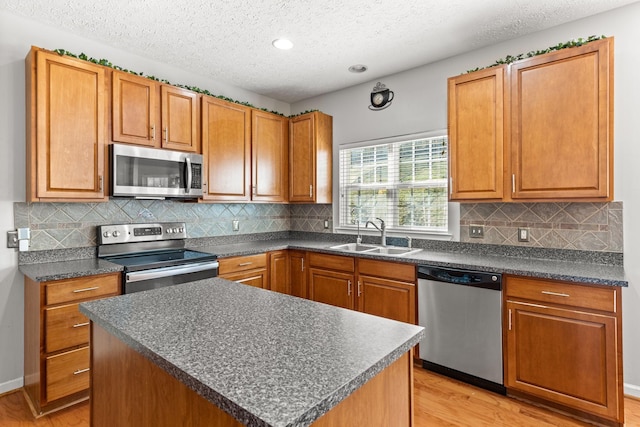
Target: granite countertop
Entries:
(571, 271)
(264, 357)
(47, 271)
(583, 271)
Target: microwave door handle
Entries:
(189, 176)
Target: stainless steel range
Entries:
(153, 255)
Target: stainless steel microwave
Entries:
(152, 173)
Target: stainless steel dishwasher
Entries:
(461, 311)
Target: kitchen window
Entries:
(401, 180)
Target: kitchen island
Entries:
(214, 352)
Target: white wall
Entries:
(17, 35)
(420, 104)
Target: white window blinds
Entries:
(403, 182)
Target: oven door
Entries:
(153, 173)
(144, 280)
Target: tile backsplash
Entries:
(582, 226)
(73, 225)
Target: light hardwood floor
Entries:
(440, 402)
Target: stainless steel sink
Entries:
(354, 247)
(394, 250)
(374, 249)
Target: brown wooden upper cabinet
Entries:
(66, 131)
(139, 118)
(135, 110)
(179, 119)
(477, 133)
(245, 153)
(310, 158)
(556, 115)
(269, 153)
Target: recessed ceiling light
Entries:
(358, 68)
(282, 44)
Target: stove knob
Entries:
(116, 233)
(181, 229)
(106, 234)
(169, 231)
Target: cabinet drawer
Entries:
(389, 270)
(67, 373)
(242, 263)
(589, 297)
(65, 327)
(82, 288)
(332, 262)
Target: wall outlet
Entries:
(326, 224)
(523, 234)
(476, 231)
(235, 225)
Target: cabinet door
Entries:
(298, 273)
(476, 134)
(386, 298)
(302, 158)
(135, 110)
(565, 356)
(269, 141)
(279, 272)
(226, 147)
(70, 129)
(311, 158)
(331, 287)
(562, 124)
(179, 119)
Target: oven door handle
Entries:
(156, 273)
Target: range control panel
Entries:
(147, 232)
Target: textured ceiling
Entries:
(230, 41)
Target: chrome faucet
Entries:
(359, 238)
(382, 229)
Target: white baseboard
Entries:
(632, 390)
(11, 385)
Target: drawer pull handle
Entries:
(81, 371)
(244, 264)
(555, 294)
(79, 325)
(75, 291)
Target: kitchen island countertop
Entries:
(265, 358)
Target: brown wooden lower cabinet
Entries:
(381, 288)
(298, 273)
(564, 346)
(250, 269)
(279, 272)
(56, 339)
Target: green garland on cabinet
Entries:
(107, 63)
(571, 43)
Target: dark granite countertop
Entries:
(47, 271)
(585, 269)
(267, 359)
(571, 271)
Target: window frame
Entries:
(453, 209)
